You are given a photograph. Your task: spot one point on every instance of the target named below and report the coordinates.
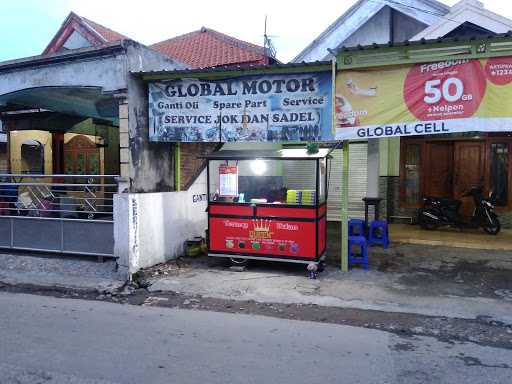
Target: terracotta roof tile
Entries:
(209, 48)
(108, 34)
(199, 49)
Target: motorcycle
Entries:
(438, 212)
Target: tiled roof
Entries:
(208, 48)
(108, 34)
(199, 49)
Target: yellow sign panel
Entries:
(424, 99)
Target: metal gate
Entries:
(58, 213)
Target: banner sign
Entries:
(425, 99)
(275, 107)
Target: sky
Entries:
(27, 26)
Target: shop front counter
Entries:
(271, 206)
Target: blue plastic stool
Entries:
(379, 233)
(361, 257)
(356, 227)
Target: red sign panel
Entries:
(441, 87)
(499, 70)
(321, 235)
(232, 209)
(263, 236)
(300, 213)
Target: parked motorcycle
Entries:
(438, 212)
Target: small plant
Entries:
(312, 148)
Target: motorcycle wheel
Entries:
(493, 226)
(426, 223)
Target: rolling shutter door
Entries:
(334, 186)
(300, 174)
(357, 182)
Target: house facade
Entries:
(52, 150)
(76, 134)
(401, 171)
(77, 117)
(470, 159)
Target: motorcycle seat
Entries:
(444, 201)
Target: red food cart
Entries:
(268, 205)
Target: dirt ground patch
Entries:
(448, 271)
(435, 270)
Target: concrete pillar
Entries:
(124, 141)
(151, 163)
(124, 239)
(124, 224)
(344, 206)
(58, 152)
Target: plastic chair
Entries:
(360, 257)
(379, 233)
(356, 227)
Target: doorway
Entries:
(82, 156)
(469, 167)
(32, 157)
(455, 167)
(439, 176)
(448, 168)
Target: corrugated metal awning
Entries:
(498, 36)
(234, 70)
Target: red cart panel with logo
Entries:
(270, 231)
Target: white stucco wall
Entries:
(375, 30)
(151, 228)
(360, 26)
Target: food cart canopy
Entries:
(283, 154)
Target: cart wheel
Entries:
(235, 261)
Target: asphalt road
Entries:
(50, 340)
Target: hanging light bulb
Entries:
(258, 167)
